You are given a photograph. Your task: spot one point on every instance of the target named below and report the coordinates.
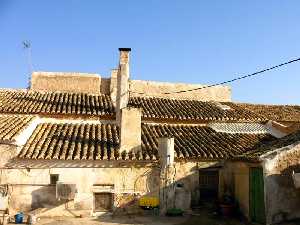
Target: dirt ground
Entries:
(204, 218)
(146, 220)
(123, 220)
(199, 219)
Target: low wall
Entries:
(157, 89)
(94, 84)
(68, 82)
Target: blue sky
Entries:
(172, 40)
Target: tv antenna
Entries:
(27, 47)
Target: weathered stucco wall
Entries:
(282, 198)
(186, 177)
(68, 82)
(7, 151)
(241, 187)
(130, 128)
(156, 89)
(236, 181)
(30, 188)
(94, 84)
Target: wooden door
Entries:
(103, 201)
(256, 189)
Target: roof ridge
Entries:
(262, 104)
(49, 92)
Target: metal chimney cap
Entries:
(125, 49)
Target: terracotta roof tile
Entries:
(72, 141)
(199, 142)
(275, 112)
(160, 108)
(30, 102)
(101, 142)
(240, 128)
(264, 148)
(12, 125)
(33, 102)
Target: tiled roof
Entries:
(101, 141)
(31, 102)
(275, 112)
(160, 108)
(72, 141)
(270, 146)
(200, 142)
(241, 128)
(12, 125)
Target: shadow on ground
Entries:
(201, 218)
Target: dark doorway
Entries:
(103, 202)
(209, 184)
(256, 189)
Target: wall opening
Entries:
(209, 184)
(103, 202)
(54, 178)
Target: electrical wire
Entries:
(229, 81)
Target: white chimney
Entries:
(166, 151)
(129, 119)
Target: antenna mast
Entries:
(27, 48)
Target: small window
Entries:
(54, 178)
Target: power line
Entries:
(229, 81)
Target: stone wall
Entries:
(68, 82)
(282, 198)
(156, 89)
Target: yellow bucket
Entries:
(149, 202)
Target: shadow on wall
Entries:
(282, 197)
(186, 193)
(44, 197)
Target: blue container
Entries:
(19, 218)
